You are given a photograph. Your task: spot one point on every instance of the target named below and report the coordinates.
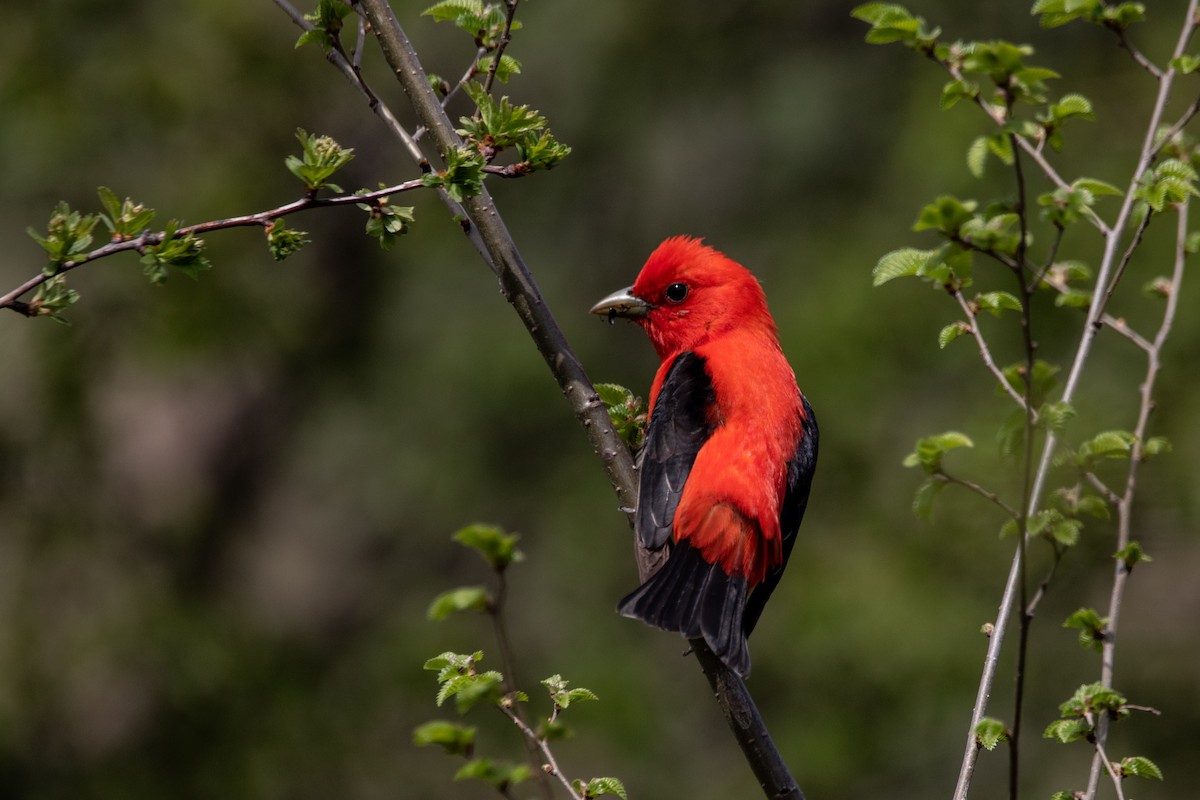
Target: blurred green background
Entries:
(226, 505)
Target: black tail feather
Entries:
(698, 600)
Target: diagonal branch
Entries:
(521, 291)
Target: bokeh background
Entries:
(225, 505)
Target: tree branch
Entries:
(149, 238)
(521, 291)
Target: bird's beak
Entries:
(622, 304)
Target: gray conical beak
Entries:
(622, 304)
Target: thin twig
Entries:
(1138, 57)
(984, 352)
(541, 747)
(150, 238)
(1059, 231)
(509, 665)
(1119, 272)
(1136, 457)
(471, 72)
(510, 7)
(986, 494)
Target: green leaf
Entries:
(929, 450)
(627, 412)
(925, 496)
(951, 332)
(1109, 444)
(562, 696)
(464, 598)
(990, 732)
(1156, 445)
(1131, 554)
(455, 739)
(509, 66)
(1096, 187)
(449, 664)
(598, 786)
(450, 10)
(900, 263)
(1122, 15)
(463, 175)
(386, 222)
(1171, 181)
(1067, 730)
(485, 24)
(977, 155)
(1139, 766)
(997, 302)
(283, 241)
(321, 158)
(1073, 298)
(470, 689)
(52, 298)
(68, 237)
(498, 548)
(893, 23)
(947, 214)
(183, 252)
(327, 24)
(1093, 629)
(1055, 416)
(1091, 699)
(124, 218)
(957, 90)
(1043, 379)
(499, 775)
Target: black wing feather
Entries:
(678, 429)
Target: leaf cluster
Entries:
(124, 218)
(1059, 12)
(483, 22)
(68, 237)
(327, 25)
(463, 175)
(321, 157)
(283, 241)
(183, 252)
(387, 222)
(628, 412)
(500, 125)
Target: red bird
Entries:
(730, 450)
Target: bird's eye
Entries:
(676, 292)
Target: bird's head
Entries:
(686, 294)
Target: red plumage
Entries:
(730, 449)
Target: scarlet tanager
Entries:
(730, 449)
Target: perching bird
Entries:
(730, 449)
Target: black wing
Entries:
(687, 594)
(795, 501)
(679, 427)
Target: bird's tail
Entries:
(697, 599)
